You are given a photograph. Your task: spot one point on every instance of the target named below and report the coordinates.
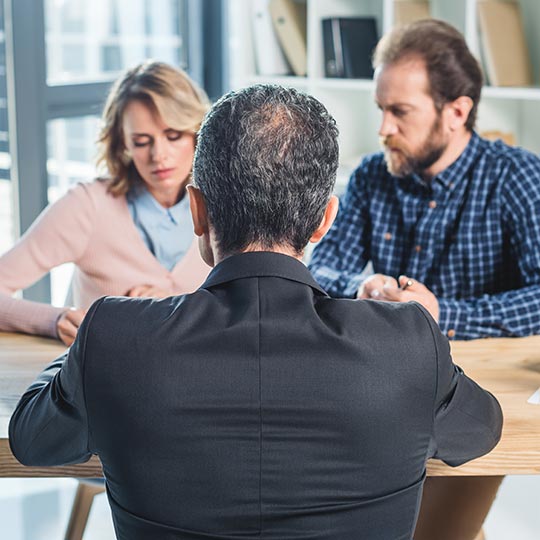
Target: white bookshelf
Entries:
(351, 101)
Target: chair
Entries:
(86, 491)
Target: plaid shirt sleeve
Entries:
(341, 256)
(514, 312)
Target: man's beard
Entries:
(416, 163)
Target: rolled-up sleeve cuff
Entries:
(453, 318)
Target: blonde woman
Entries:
(128, 233)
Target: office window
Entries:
(63, 57)
(87, 45)
(95, 40)
(71, 153)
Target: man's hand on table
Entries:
(405, 289)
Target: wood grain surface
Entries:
(509, 368)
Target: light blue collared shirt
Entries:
(167, 232)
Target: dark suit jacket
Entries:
(257, 407)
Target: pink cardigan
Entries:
(94, 230)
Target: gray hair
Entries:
(266, 163)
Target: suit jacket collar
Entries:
(261, 264)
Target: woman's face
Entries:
(163, 156)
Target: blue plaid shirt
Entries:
(472, 235)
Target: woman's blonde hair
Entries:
(168, 91)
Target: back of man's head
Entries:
(266, 165)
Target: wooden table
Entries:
(509, 368)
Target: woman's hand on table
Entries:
(68, 324)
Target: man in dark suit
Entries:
(258, 406)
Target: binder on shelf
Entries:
(348, 44)
(408, 11)
(269, 57)
(289, 19)
(504, 47)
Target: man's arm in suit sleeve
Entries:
(50, 423)
(467, 420)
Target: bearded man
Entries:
(447, 219)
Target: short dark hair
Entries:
(452, 69)
(266, 163)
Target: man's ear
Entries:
(199, 214)
(329, 216)
(458, 112)
(201, 226)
